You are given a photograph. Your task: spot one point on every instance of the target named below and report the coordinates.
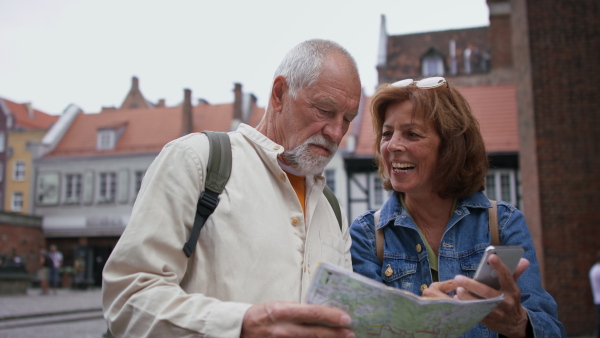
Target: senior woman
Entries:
(435, 224)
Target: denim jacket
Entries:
(465, 238)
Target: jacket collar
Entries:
(392, 208)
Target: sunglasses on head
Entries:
(427, 83)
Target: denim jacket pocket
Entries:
(469, 263)
(398, 272)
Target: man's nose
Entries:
(335, 129)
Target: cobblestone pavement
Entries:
(68, 313)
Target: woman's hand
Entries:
(509, 318)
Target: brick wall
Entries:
(557, 48)
(26, 240)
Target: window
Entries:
(501, 184)
(17, 201)
(330, 179)
(1, 171)
(19, 171)
(73, 188)
(108, 187)
(432, 66)
(106, 139)
(2, 142)
(139, 176)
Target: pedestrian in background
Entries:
(595, 282)
(44, 271)
(54, 272)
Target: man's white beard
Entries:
(307, 162)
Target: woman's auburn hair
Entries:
(463, 162)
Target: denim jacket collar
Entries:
(393, 213)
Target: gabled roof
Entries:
(26, 117)
(147, 129)
(495, 107)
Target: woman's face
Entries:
(409, 150)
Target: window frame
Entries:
(19, 170)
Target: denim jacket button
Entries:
(389, 271)
(419, 248)
(423, 287)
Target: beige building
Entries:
(19, 170)
(21, 130)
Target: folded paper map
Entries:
(378, 310)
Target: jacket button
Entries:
(295, 221)
(389, 271)
(282, 176)
(277, 147)
(419, 248)
(423, 287)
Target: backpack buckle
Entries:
(207, 203)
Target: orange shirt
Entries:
(299, 185)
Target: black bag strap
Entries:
(334, 204)
(217, 174)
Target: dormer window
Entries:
(432, 63)
(106, 139)
(108, 135)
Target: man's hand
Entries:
(288, 319)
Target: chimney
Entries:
(135, 83)
(453, 64)
(161, 103)
(29, 109)
(500, 34)
(187, 123)
(237, 106)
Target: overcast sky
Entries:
(53, 53)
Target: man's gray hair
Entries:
(302, 65)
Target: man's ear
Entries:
(277, 91)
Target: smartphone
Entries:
(510, 256)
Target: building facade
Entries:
(556, 47)
(478, 61)
(91, 167)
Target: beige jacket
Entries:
(257, 246)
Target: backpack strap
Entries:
(379, 239)
(217, 174)
(334, 204)
(493, 223)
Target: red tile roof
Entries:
(147, 131)
(37, 121)
(495, 107)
